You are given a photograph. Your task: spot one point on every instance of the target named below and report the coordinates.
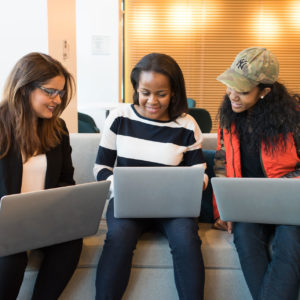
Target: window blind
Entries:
(205, 36)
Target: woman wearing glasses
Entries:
(35, 154)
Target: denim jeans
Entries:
(115, 262)
(275, 277)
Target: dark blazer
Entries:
(59, 168)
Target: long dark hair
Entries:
(271, 119)
(164, 64)
(16, 114)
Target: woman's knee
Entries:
(249, 238)
(185, 238)
(16, 262)
(122, 237)
(12, 270)
(65, 249)
(118, 241)
(286, 243)
(239, 233)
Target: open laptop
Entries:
(38, 219)
(157, 192)
(258, 200)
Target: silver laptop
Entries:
(157, 192)
(258, 200)
(37, 219)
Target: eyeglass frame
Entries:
(52, 93)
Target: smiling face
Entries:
(154, 92)
(42, 103)
(241, 102)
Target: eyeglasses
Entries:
(52, 93)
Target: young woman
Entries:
(259, 136)
(157, 123)
(35, 154)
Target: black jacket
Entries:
(59, 168)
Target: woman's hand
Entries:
(205, 182)
(222, 225)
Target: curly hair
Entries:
(271, 118)
(166, 65)
(16, 114)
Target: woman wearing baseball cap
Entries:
(259, 136)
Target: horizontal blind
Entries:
(205, 36)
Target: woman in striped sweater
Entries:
(153, 131)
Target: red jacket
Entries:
(281, 163)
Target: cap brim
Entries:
(237, 81)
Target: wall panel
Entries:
(205, 35)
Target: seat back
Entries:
(202, 117)
(191, 102)
(86, 124)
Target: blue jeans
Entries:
(115, 262)
(269, 278)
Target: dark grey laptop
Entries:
(37, 219)
(157, 192)
(258, 200)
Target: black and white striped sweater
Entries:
(132, 140)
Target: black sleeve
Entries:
(67, 169)
(60, 169)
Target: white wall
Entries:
(97, 25)
(62, 46)
(23, 29)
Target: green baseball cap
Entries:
(251, 67)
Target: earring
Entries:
(261, 97)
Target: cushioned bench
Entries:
(152, 273)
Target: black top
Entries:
(59, 168)
(250, 158)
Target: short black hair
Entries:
(163, 64)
